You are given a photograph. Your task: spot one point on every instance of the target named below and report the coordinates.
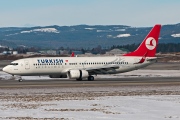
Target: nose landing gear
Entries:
(19, 78)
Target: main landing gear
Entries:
(91, 78)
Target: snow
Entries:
(135, 73)
(144, 73)
(109, 36)
(89, 28)
(123, 35)
(49, 30)
(99, 30)
(58, 103)
(120, 30)
(12, 34)
(175, 35)
(106, 108)
(103, 30)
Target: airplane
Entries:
(72, 54)
(80, 68)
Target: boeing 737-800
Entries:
(85, 67)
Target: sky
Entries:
(135, 13)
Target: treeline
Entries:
(162, 47)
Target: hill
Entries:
(83, 35)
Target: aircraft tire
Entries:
(91, 78)
(20, 80)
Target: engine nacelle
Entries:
(78, 74)
(58, 76)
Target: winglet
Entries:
(149, 44)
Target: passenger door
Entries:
(27, 66)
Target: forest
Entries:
(162, 47)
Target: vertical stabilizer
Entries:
(149, 44)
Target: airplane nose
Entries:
(5, 69)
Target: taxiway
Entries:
(102, 82)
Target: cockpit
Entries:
(14, 64)
(12, 68)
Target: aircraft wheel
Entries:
(20, 80)
(91, 78)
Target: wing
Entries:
(102, 70)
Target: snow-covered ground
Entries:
(99, 108)
(144, 73)
(123, 35)
(48, 30)
(93, 103)
(175, 35)
(136, 73)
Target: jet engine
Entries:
(78, 74)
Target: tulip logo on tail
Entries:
(150, 43)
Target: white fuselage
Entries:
(61, 65)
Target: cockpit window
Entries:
(14, 64)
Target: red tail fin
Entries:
(72, 54)
(149, 44)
